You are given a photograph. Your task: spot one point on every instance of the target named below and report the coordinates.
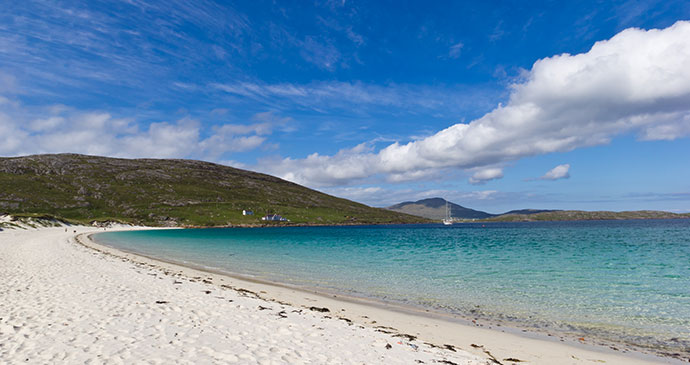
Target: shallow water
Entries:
(621, 281)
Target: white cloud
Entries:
(46, 124)
(355, 96)
(357, 193)
(669, 130)
(454, 50)
(636, 81)
(482, 176)
(233, 163)
(384, 197)
(321, 54)
(11, 137)
(558, 172)
(61, 129)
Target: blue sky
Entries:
(493, 105)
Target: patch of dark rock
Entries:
(388, 346)
(161, 302)
(386, 328)
(247, 293)
(491, 356)
(262, 308)
(405, 335)
(319, 309)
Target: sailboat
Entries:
(448, 220)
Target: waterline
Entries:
(625, 282)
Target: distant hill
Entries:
(575, 215)
(435, 208)
(167, 192)
(528, 211)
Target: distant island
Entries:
(158, 192)
(435, 209)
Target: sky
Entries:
(494, 105)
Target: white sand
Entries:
(61, 302)
(64, 303)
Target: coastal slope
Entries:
(159, 192)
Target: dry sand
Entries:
(64, 302)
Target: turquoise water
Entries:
(621, 281)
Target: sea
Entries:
(619, 282)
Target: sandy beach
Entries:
(66, 299)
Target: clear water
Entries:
(622, 281)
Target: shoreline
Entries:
(462, 221)
(433, 328)
(67, 303)
(437, 222)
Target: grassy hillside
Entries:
(572, 215)
(167, 192)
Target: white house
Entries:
(247, 212)
(273, 217)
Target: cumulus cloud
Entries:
(62, 129)
(370, 193)
(637, 81)
(558, 172)
(383, 197)
(482, 176)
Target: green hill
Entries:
(167, 193)
(576, 215)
